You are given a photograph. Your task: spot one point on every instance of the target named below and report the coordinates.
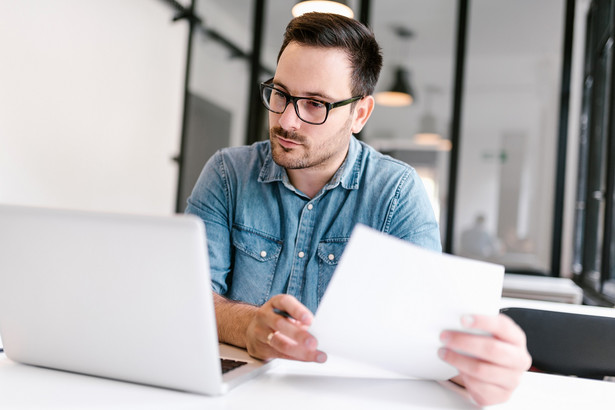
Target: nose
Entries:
(288, 119)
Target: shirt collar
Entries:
(348, 174)
(350, 171)
(270, 171)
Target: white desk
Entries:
(287, 386)
(301, 386)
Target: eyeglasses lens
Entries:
(308, 110)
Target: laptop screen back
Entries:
(123, 297)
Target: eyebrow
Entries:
(307, 95)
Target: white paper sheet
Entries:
(389, 300)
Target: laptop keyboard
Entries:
(228, 364)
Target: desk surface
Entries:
(300, 386)
(288, 385)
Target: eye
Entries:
(277, 94)
(314, 104)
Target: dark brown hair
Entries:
(335, 31)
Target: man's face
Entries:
(322, 74)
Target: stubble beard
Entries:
(306, 155)
(288, 157)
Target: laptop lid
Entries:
(125, 297)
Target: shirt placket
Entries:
(302, 251)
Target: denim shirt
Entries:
(265, 237)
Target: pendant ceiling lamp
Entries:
(428, 134)
(400, 93)
(325, 6)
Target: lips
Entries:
(286, 143)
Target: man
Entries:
(279, 213)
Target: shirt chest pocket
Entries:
(254, 262)
(329, 253)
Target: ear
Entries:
(362, 111)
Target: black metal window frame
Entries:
(594, 233)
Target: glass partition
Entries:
(509, 133)
(417, 36)
(510, 108)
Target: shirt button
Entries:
(310, 206)
(301, 254)
(331, 256)
(263, 254)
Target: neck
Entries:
(308, 181)
(311, 180)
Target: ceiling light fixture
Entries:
(400, 94)
(326, 6)
(428, 134)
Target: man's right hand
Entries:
(267, 334)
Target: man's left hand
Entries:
(490, 367)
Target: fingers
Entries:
(490, 364)
(506, 345)
(291, 349)
(484, 393)
(500, 326)
(272, 335)
(487, 349)
(293, 307)
(482, 372)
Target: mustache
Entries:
(288, 135)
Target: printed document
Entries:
(389, 300)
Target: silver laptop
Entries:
(118, 296)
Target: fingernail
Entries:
(467, 320)
(321, 358)
(442, 353)
(311, 343)
(445, 337)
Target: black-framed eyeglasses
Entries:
(308, 110)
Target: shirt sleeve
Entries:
(412, 217)
(210, 201)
